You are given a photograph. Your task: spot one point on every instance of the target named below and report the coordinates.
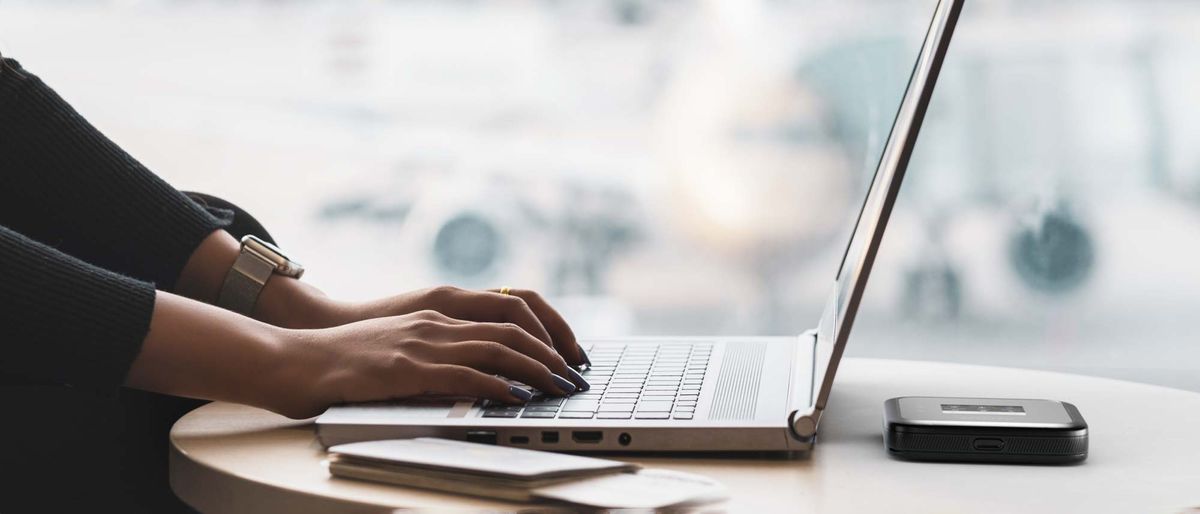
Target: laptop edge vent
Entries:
(736, 395)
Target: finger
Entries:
(496, 358)
(561, 335)
(454, 380)
(516, 338)
(493, 307)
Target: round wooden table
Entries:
(1144, 456)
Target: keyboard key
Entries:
(575, 415)
(580, 406)
(654, 406)
(537, 414)
(541, 408)
(619, 400)
(501, 413)
(613, 415)
(651, 415)
(546, 401)
(682, 415)
(616, 407)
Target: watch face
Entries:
(283, 265)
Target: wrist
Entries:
(298, 380)
(289, 303)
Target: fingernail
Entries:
(578, 380)
(521, 394)
(564, 384)
(586, 360)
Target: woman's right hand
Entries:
(419, 354)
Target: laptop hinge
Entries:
(802, 413)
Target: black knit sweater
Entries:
(86, 235)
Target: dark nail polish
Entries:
(584, 354)
(579, 380)
(521, 394)
(564, 384)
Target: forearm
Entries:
(66, 184)
(284, 301)
(200, 351)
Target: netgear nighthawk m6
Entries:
(984, 430)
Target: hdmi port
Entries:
(587, 436)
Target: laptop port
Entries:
(481, 436)
(988, 444)
(624, 439)
(587, 436)
(550, 437)
(519, 439)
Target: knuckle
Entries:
(494, 350)
(512, 330)
(423, 326)
(444, 291)
(514, 302)
(400, 361)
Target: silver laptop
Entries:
(690, 394)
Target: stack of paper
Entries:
(517, 474)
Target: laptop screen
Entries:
(842, 305)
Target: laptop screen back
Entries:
(842, 305)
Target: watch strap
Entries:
(244, 282)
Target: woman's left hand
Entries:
(289, 303)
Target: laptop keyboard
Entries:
(638, 381)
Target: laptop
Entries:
(699, 394)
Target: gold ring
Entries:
(506, 290)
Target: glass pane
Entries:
(686, 167)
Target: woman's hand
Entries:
(418, 354)
(194, 349)
(290, 303)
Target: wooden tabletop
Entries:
(1144, 456)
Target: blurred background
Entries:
(686, 166)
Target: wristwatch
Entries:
(254, 266)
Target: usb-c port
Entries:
(988, 444)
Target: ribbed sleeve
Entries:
(65, 321)
(65, 184)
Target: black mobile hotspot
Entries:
(984, 430)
